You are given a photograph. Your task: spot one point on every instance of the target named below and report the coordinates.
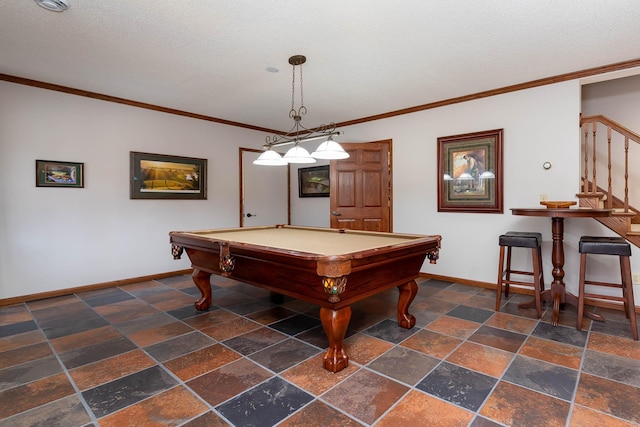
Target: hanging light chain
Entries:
(302, 110)
(293, 89)
(302, 107)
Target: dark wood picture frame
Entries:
(470, 172)
(160, 176)
(53, 173)
(314, 181)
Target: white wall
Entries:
(56, 238)
(618, 99)
(539, 125)
(308, 211)
(62, 238)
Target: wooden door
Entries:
(264, 192)
(361, 187)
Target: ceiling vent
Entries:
(54, 5)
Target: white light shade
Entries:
(330, 150)
(270, 158)
(447, 177)
(487, 174)
(298, 154)
(465, 176)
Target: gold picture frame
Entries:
(470, 172)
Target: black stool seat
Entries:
(604, 246)
(521, 239)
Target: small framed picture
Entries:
(52, 173)
(313, 182)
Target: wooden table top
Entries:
(562, 212)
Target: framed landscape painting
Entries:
(159, 176)
(52, 173)
(313, 182)
(470, 172)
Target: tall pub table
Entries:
(558, 293)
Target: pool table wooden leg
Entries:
(335, 323)
(201, 279)
(408, 292)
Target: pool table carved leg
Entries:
(408, 292)
(335, 323)
(201, 279)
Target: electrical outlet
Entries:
(635, 278)
(543, 197)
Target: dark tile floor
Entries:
(142, 355)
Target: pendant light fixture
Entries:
(298, 134)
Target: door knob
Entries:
(334, 213)
(249, 215)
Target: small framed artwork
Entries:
(52, 173)
(470, 172)
(313, 182)
(159, 176)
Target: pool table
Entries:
(330, 267)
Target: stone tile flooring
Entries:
(142, 355)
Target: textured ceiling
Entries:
(364, 57)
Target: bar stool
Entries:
(520, 239)
(616, 246)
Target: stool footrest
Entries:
(606, 297)
(525, 285)
(523, 273)
(607, 284)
